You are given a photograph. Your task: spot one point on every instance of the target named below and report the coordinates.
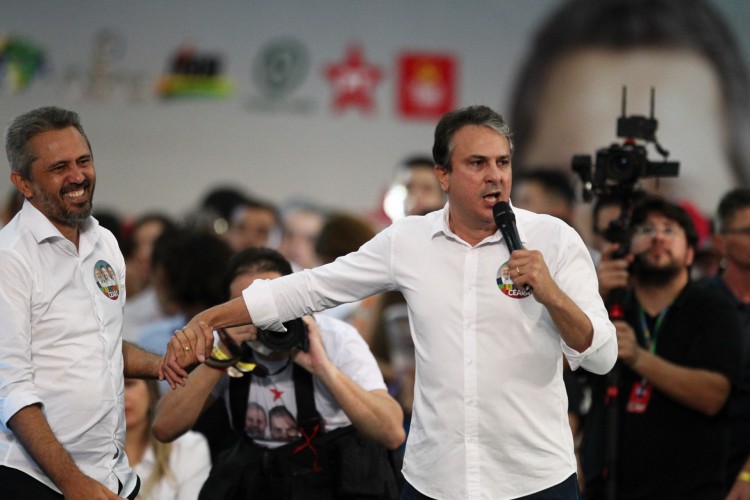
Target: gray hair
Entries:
(24, 127)
(453, 121)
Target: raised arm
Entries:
(178, 410)
(374, 413)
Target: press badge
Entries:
(639, 397)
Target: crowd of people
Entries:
(255, 350)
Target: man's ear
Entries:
(690, 256)
(443, 177)
(23, 185)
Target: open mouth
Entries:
(78, 193)
(493, 197)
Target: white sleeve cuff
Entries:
(259, 302)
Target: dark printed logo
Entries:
(106, 279)
(278, 71)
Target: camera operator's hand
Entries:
(628, 349)
(613, 273)
(740, 490)
(316, 360)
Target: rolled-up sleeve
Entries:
(576, 276)
(17, 388)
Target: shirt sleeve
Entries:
(349, 278)
(17, 388)
(576, 277)
(350, 353)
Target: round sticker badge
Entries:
(106, 279)
(505, 283)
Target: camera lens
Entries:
(622, 165)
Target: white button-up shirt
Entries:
(490, 408)
(60, 321)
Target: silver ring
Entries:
(518, 271)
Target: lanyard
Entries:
(651, 339)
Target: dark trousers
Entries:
(17, 485)
(567, 490)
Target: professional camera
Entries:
(620, 166)
(295, 337)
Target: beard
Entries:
(55, 208)
(649, 274)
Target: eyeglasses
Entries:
(742, 231)
(650, 231)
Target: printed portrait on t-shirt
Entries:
(282, 424)
(256, 421)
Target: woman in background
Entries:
(168, 471)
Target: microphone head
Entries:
(502, 213)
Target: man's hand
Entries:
(527, 267)
(191, 345)
(740, 491)
(612, 273)
(316, 360)
(86, 488)
(628, 349)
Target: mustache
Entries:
(73, 187)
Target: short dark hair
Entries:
(255, 260)
(342, 233)
(731, 203)
(659, 205)
(453, 121)
(553, 181)
(418, 161)
(26, 126)
(193, 262)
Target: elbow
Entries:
(163, 432)
(395, 438)
(712, 406)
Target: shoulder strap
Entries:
(239, 390)
(304, 394)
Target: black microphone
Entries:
(506, 223)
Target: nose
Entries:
(76, 174)
(495, 174)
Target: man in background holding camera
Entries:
(680, 354)
(489, 415)
(271, 408)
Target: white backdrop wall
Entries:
(160, 154)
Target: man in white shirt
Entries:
(490, 407)
(62, 359)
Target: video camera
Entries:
(620, 166)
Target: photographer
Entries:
(679, 350)
(336, 383)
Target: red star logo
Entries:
(276, 393)
(353, 81)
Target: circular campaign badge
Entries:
(106, 279)
(505, 283)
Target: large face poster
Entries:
(324, 101)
